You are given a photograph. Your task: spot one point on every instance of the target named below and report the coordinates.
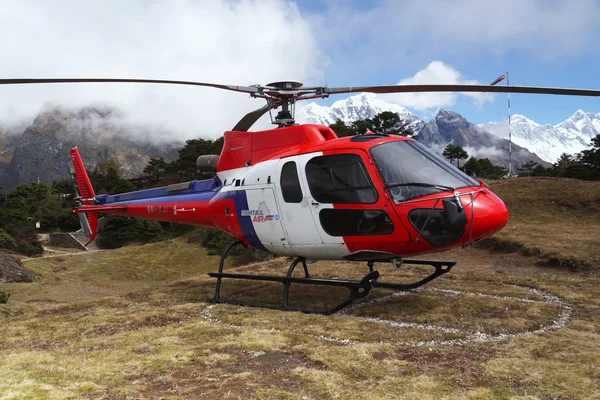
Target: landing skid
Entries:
(357, 288)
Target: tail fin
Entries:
(86, 196)
(83, 181)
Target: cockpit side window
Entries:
(290, 184)
(340, 178)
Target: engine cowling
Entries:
(207, 161)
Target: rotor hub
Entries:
(283, 85)
(282, 94)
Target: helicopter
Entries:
(299, 191)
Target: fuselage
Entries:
(301, 191)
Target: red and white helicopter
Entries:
(300, 191)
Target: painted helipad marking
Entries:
(468, 337)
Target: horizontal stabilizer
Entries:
(90, 209)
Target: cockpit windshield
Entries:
(410, 170)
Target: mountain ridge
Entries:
(570, 136)
(41, 151)
(547, 142)
(450, 127)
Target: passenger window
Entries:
(290, 184)
(340, 178)
(343, 222)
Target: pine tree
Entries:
(591, 158)
(156, 168)
(386, 122)
(453, 152)
(486, 167)
(341, 129)
(563, 160)
(527, 168)
(471, 167)
(389, 123)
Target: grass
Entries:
(135, 323)
(556, 218)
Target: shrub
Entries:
(216, 241)
(119, 231)
(154, 232)
(29, 249)
(4, 296)
(7, 241)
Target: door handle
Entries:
(314, 203)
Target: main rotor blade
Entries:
(26, 81)
(249, 119)
(463, 88)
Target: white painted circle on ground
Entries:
(468, 337)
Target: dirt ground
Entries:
(136, 324)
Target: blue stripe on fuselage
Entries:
(241, 203)
(198, 191)
(205, 190)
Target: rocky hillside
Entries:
(42, 150)
(450, 127)
(8, 139)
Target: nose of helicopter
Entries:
(490, 215)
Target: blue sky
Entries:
(539, 43)
(333, 42)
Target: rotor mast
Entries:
(284, 94)
(285, 117)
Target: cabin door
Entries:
(295, 215)
(264, 214)
(300, 212)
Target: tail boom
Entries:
(190, 212)
(191, 203)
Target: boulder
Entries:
(12, 270)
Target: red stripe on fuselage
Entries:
(189, 212)
(220, 214)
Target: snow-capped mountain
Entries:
(361, 106)
(547, 141)
(450, 127)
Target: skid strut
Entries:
(357, 288)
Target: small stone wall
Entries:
(65, 240)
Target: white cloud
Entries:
(486, 152)
(440, 73)
(243, 42)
